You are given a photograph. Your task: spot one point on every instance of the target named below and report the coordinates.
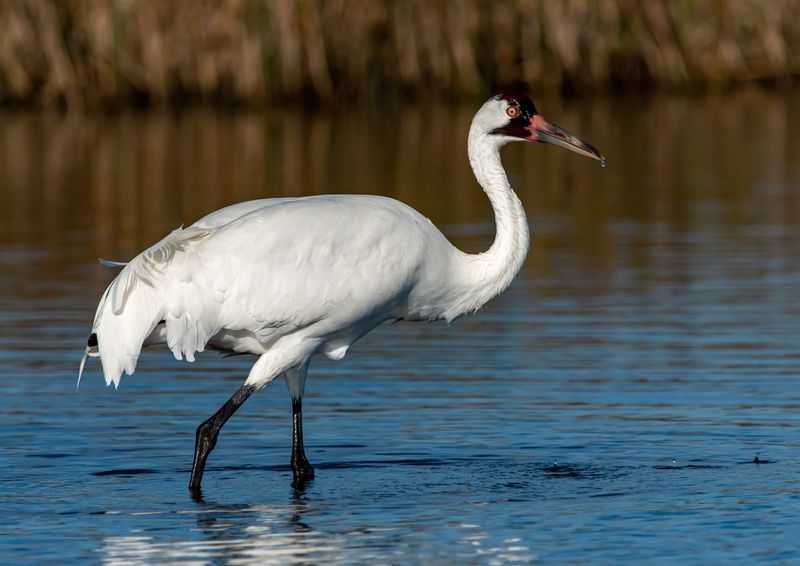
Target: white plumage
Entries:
(310, 284)
(289, 278)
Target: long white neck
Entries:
(485, 275)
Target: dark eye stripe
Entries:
(522, 101)
(518, 126)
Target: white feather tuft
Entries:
(141, 295)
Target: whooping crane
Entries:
(287, 278)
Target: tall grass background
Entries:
(107, 52)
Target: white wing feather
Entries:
(267, 269)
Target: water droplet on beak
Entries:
(603, 163)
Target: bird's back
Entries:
(330, 267)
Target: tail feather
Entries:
(80, 370)
(90, 351)
(136, 302)
(120, 336)
(109, 263)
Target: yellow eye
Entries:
(512, 111)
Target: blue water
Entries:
(607, 408)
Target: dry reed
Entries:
(102, 52)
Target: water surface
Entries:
(606, 408)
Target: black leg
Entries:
(208, 431)
(301, 469)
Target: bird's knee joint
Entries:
(205, 435)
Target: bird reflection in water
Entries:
(250, 533)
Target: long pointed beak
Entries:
(547, 132)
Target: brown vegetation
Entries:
(96, 52)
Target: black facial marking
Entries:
(521, 101)
(517, 127)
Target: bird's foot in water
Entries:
(303, 472)
(196, 494)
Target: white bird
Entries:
(288, 278)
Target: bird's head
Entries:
(513, 117)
